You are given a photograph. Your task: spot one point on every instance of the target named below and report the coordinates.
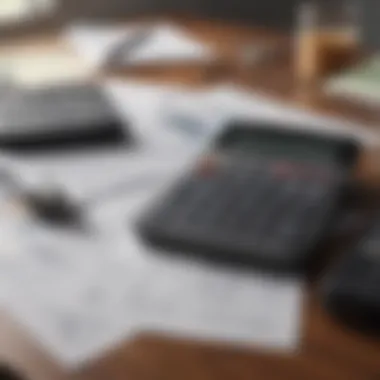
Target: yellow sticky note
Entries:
(12, 10)
(30, 68)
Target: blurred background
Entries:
(104, 103)
(271, 13)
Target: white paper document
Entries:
(169, 44)
(79, 296)
(239, 103)
(80, 293)
(164, 44)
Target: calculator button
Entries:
(179, 207)
(176, 202)
(240, 198)
(280, 206)
(237, 194)
(316, 192)
(208, 212)
(198, 204)
(221, 200)
(283, 170)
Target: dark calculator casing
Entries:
(260, 195)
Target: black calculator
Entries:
(260, 195)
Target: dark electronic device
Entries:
(63, 116)
(8, 373)
(261, 195)
(352, 289)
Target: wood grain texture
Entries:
(328, 350)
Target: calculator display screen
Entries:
(281, 145)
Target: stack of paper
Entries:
(79, 296)
(80, 293)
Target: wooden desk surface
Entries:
(328, 351)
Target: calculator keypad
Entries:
(266, 209)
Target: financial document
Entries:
(79, 293)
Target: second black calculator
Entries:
(260, 195)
